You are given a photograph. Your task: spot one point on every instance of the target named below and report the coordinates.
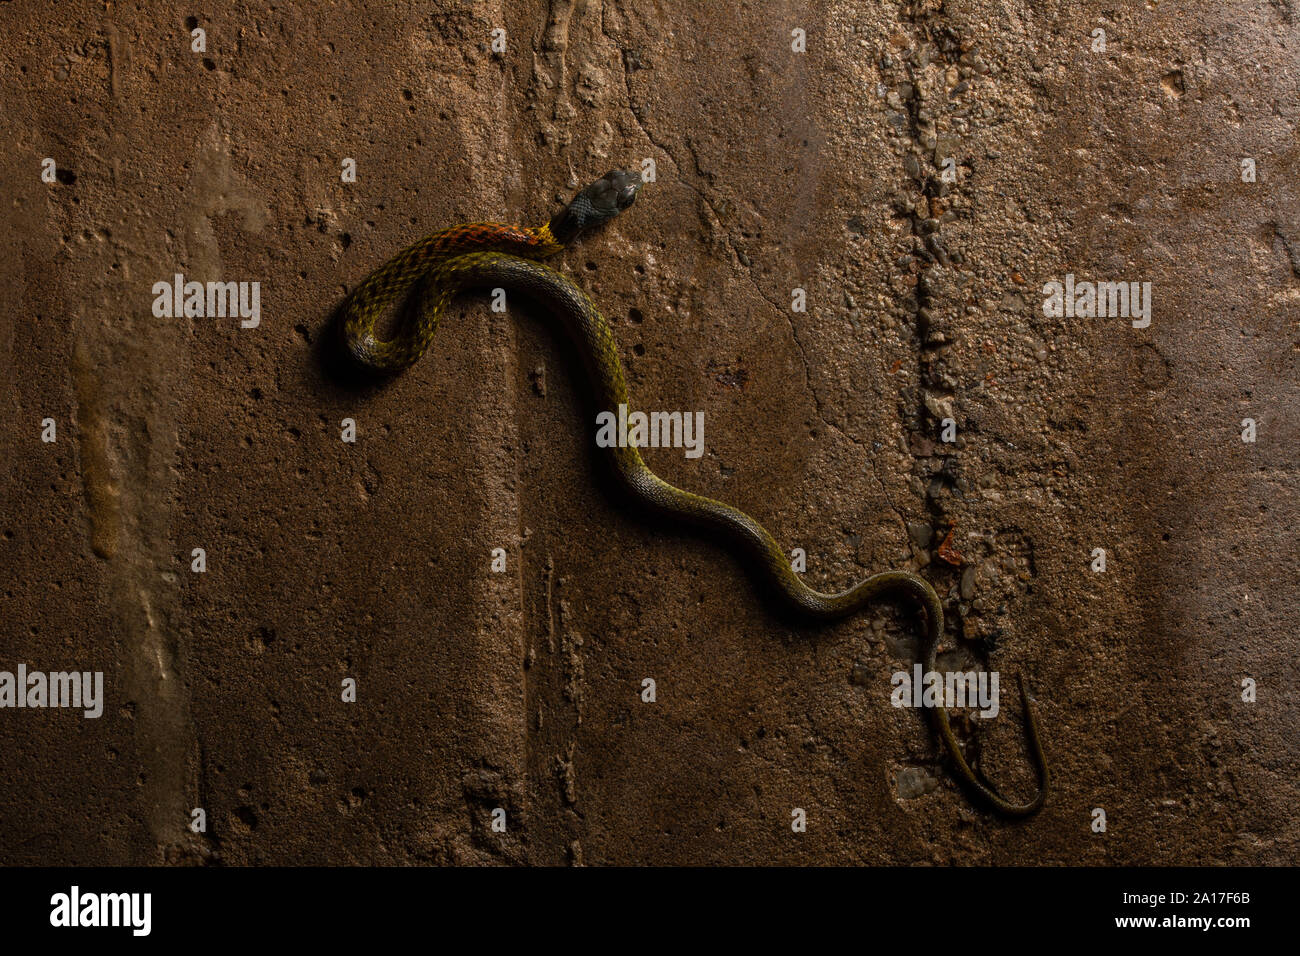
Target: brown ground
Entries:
(776, 170)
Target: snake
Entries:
(429, 273)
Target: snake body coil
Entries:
(494, 255)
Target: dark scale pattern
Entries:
(394, 281)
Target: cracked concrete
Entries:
(521, 692)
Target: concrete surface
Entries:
(776, 170)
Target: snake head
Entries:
(604, 199)
(613, 192)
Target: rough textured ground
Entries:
(775, 170)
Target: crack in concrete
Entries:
(1288, 246)
(927, 250)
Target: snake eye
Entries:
(626, 186)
